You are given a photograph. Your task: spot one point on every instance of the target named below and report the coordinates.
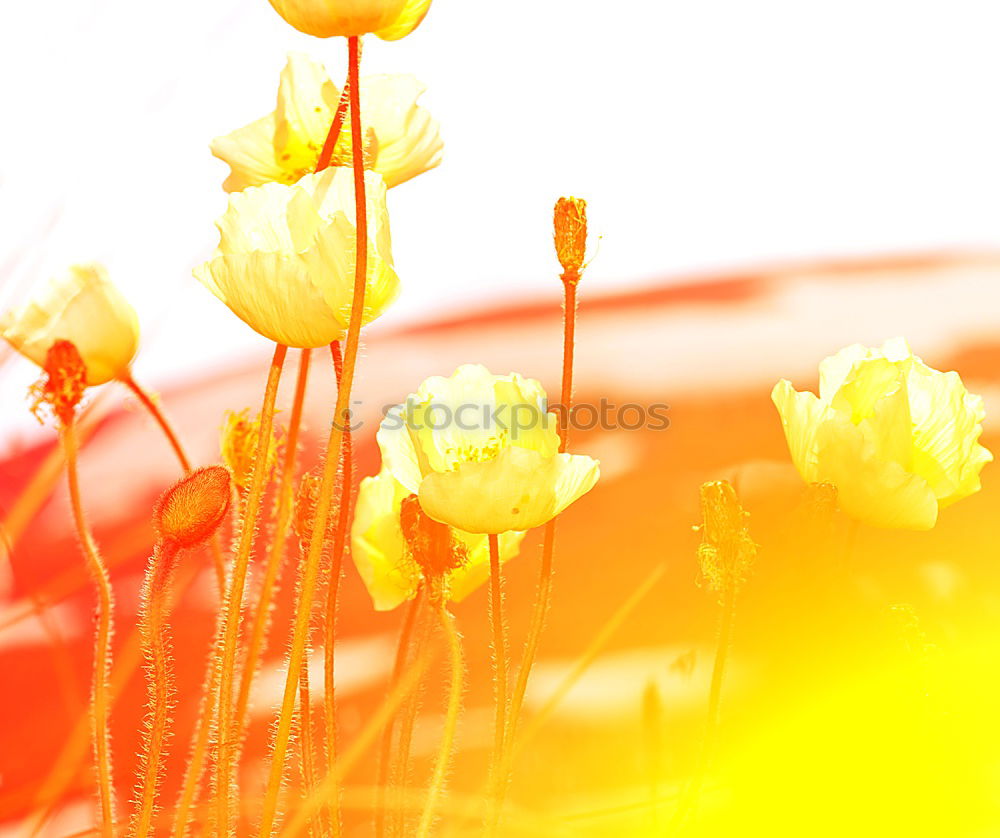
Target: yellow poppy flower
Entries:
(898, 439)
(380, 554)
(481, 452)
(285, 262)
(82, 307)
(389, 19)
(285, 145)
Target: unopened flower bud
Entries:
(431, 544)
(570, 221)
(239, 447)
(726, 552)
(191, 510)
(62, 388)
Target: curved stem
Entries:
(451, 716)
(160, 417)
(385, 752)
(102, 637)
(276, 555)
(147, 402)
(226, 735)
(543, 595)
(330, 144)
(499, 641)
(156, 648)
(341, 420)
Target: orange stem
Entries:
(333, 590)
(225, 733)
(543, 595)
(402, 652)
(499, 641)
(268, 590)
(147, 402)
(341, 419)
(102, 639)
(156, 648)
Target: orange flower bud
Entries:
(191, 510)
(570, 221)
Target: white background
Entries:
(705, 135)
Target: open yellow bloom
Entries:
(898, 439)
(83, 307)
(285, 145)
(389, 19)
(481, 452)
(380, 554)
(286, 256)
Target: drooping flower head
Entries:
(393, 552)
(285, 145)
(286, 256)
(898, 439)
(389, 19)
(481, 452)
(84, 308)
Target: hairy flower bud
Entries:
(191, 510)
(726, 552)
(570, 222)
(62, 388)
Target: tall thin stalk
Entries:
(230, 620)
(451, 714)
(499, 642)
(572, 265)
(99, 706)
(332, 458)
(276, 554)
(156, 647)
(385, 751)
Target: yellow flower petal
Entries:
(407, 20)
(409, 141)
(307, 102)
(85, 308)
(286, 257)
(870, 488)
(517, 490)
(285, 146)
(897, 438)
(249, 151)
(801, 414)
(273, 296)
(328, 18)
(377, 545)
(379, 550)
